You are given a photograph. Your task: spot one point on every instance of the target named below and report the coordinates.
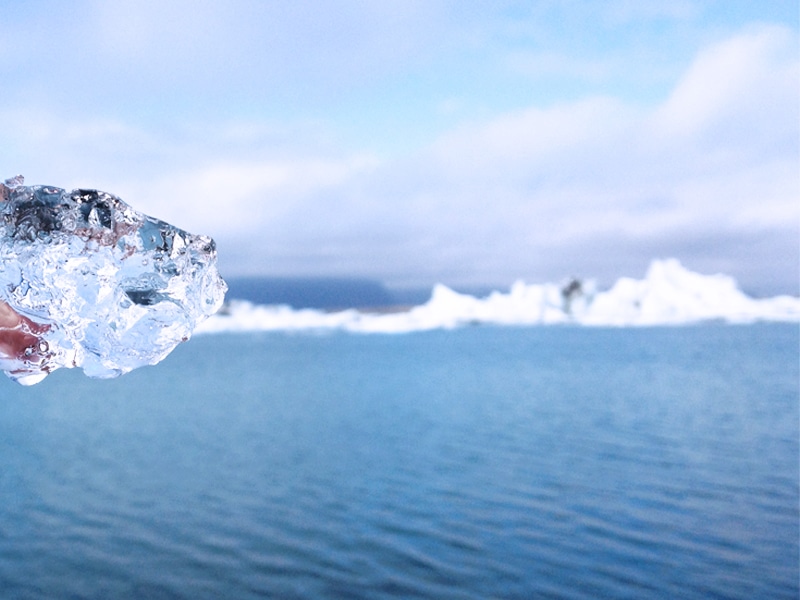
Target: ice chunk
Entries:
(86, 281)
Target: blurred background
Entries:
(409, 143)
(383, 146)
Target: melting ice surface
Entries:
(668, 295)
(86, 281)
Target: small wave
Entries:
(669, 294)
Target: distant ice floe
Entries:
(668, 295)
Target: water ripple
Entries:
(473, 464)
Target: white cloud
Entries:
(246, 199)
(201, 51)
(754, 74)
(718, 159)
(709, 175)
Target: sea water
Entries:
(486, 462)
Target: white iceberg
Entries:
(672, 295)
(668, 295)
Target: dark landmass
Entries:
(331, 293)
(321, 293)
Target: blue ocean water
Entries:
(487, 462)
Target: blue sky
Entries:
(472, 143)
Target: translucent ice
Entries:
(86, 281)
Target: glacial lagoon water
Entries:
(484, 462)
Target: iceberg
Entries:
(672, 295)
(86, 281)
(669, 294)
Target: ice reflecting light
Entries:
(86, 281)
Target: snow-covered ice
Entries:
(669, 294)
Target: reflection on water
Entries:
(478, 463)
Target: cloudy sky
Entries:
(472, 143)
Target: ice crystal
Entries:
(86, 281)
